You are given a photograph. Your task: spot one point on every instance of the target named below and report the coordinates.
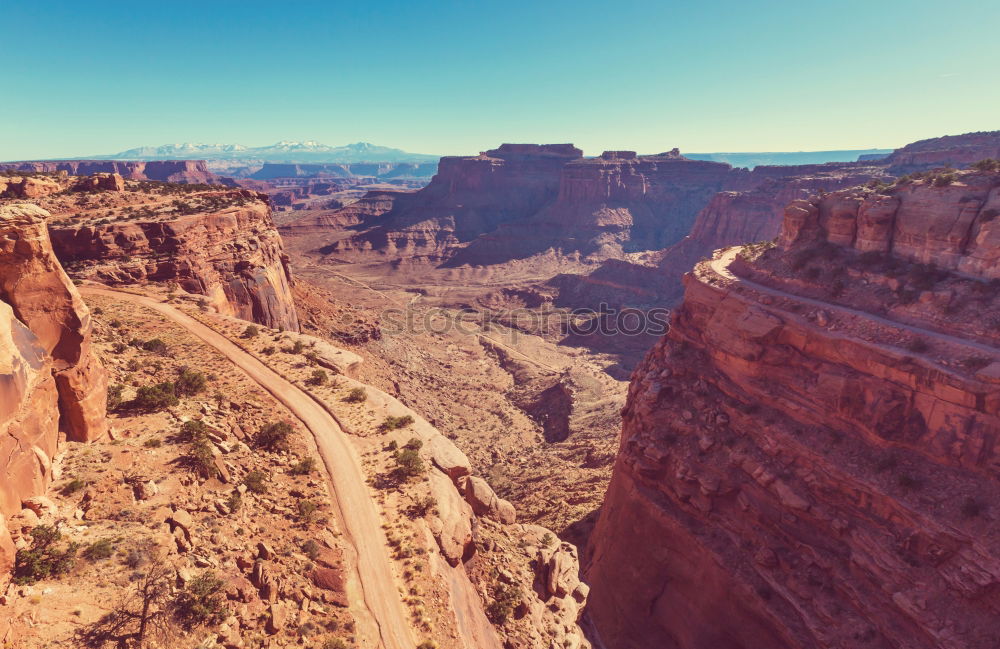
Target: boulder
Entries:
(448, 457)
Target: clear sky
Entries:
(455, 77)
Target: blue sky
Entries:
(456, 77)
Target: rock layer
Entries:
(786, 481)
(49, 376)
(174, 171)
(35, 286)
(233, 256)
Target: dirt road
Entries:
(382, 621)
(721, 267)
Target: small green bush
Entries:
(392, 423)
(43, 559)
(318, 377)
(190, 382)
(414, 444)
(273, 436)
(256, 482)
(506, 599)
(306, 510)
(356, 395)
(156, 397)
(115, 395)
(251, 331)
(102, 549)
(202, 601)
(305, 466)
(408, 463)
(156, 346)
(74, 485)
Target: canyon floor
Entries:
(535, 410)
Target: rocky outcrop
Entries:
(27, 186)
(367, 209)
(743, 216)
(794, 477)
(951, 223)
(49, 376)
(950, 150)
(468, 196)
(42, 297)
(174, 171)
(233, 256)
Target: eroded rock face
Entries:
(174, 171)
(49, 376)
(783, 483)
(42, 297)
(233, 256)
(950, 150)
(953, 226)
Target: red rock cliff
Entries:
(796, 474)
(49, 377)
(233, 255)
(174, 171)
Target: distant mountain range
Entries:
(751, 160)
(284, 151)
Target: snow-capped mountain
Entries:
(283, 151)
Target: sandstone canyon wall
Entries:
(797, 474)
(49, 377)
(174, 171)
(232, 255)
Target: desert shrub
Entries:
(202, 601)
(155, 346)
(356, 395)
(193, 429)
(156, 397)
(422, 506)
(274, 436)
(200, 458)
(318, 377)
(256, 482)
(548, 540)
(297, 347)
(306, 510)
(305, 466)
(190, 382)
(428, 644)
(334, 643)
(251, 332)
(506, 599)
(392, 423)
(114, 324)
(987, 164)
(311, 549)
(234, 501)
(115, 395)
(73, 486)
(414, 444)
(153, 442)
(408, 463)
(267, 351)
(945, 179)
(102, 549)
(44, 559)
(392, 445)
(917, 346)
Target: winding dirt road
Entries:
(720, 267)
(382, 619)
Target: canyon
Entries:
(855, 512)
(805, 459)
